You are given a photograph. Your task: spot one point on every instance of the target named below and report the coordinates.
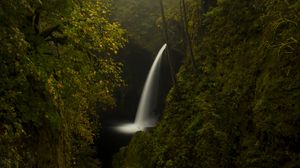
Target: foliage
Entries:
(55, 67)
(240, 108)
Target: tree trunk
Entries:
(165, 27)
(187, 35)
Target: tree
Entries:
(186, 32)
(165, 27)
(55, 66)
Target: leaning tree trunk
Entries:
(186, 32)
(165, 27)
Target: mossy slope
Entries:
(240, 106)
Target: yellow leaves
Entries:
(51, 89)
(89, 27)
(93, 13)
(59, 85)
(65, 77)
(54, 87)
(85, 133)
(77, 86)
(49, 81)
(81, 126)
(13, 41)
(88, 30)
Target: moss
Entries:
(240, 108)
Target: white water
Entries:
(145, 113)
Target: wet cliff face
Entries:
(240, 106)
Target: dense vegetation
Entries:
(235, 102)
(55, 66)
(239, 106)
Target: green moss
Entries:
(241, 106)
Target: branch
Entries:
(46, 33)
(188, 37)
(36, 19)
(59, 40)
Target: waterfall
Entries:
(145, 113)
(149, 95)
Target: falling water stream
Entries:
(145, 116)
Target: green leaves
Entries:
(88, 26)
(55, 66)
